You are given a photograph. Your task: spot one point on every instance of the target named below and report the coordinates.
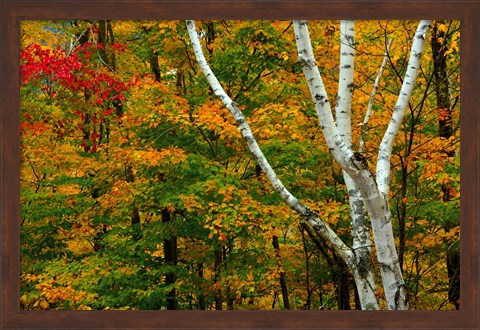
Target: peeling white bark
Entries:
(314, 219)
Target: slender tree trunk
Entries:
(308, 303)
(154, 66)
(216, 278)
(439, 48)
(341, 275)
(170, 255)
(134, 212)
(453, 269)
(283, 279)
(228, 296)
(343, 289)
(105, 35)
(201, 297)
(445, 130)
(358, 305)
(359, 220)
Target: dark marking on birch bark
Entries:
(303, 63)
(364, 263)
(361, 159)
(240, 121)
(358, 204)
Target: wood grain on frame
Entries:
(12, 12)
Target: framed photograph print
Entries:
(239, 164)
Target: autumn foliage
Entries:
(138, 191)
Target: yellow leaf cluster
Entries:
(155, 157)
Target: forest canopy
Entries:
(138, 190)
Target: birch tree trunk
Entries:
(374, 192)
(363, 273)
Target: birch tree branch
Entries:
(340, 151)
(351, 163)
(372, 98)
(314, 219)
(386, 146)
(345, 83)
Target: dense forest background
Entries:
(138, 191)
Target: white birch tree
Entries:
(365, 191)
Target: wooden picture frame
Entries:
(13, 11)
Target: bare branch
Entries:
(372, 98)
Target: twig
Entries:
(372, 97)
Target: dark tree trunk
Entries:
(152, 58)
(134, 211)
(217, 270)
(283, 279)
(86, 131)
(210, 36)
(358, 305)
(308, 303)
(105, 35)
(134, 216)
(341, 275)
(453, 268)
(445, 128)
(343, 289)
(154, 66)
(170, 253)
(97, 240)
(201, 297)
(439, 48)
(230, 300)
(229, 296)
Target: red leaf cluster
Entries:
(46, 68)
